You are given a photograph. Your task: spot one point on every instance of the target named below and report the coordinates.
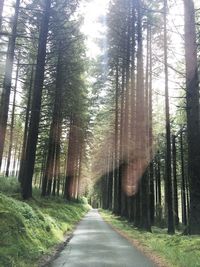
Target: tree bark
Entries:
(1, 13)
(29, 162)
(176, 216)
(24, 144)
(192, 99)
(50, 164)
(68, 189)
(141, 130)
(169, 192)
(12, 121)
(183, 191)
(158, 188)
(132, 113)
(116, 161)
(7, 82)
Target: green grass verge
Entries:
(178, 250)
(30, 229)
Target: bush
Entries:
(9, 185)
(83, 200)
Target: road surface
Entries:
(96, 244)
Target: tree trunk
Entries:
(133, 113)
(7, 82)
(15, 159)
(141, 130)
(183, 192)
(158, 188)
(68, 189)
(12, 121)
(116, 161)
(176, 217)
(125, 138)
(1, 13)
(57, 156)
(80, 170)
(169, 192)
(57, 164)
(24, 144)
(29, 162)
(192, 99)
(50, 164)
(150, 127)
(121, 200)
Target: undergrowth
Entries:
(179, 250)
(9, 185)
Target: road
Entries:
(96, 244)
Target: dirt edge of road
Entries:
(48, 258)
(152, 255)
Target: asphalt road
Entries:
(96, 244)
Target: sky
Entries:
(92, 10)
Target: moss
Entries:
(178, 250)
(30, 229)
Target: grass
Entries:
(178, 250)
(30, 229)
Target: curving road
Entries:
(96, 244)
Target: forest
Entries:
(99, 109)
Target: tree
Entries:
(28, 168)
(141, 129)
(7, 82)
(193, 131)
(1, 11)
(55, 134)
(169, 196)
(176, 208)
(12, 120)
